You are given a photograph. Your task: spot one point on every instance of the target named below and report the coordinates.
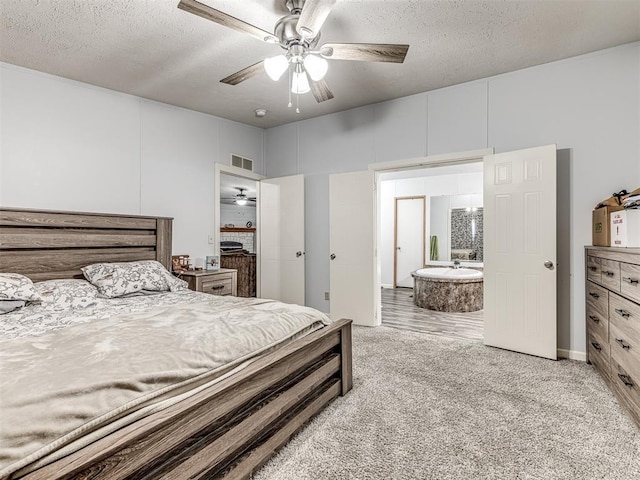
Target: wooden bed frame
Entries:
(226, 431)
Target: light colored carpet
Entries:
(428, 407)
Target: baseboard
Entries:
(386, 285)
(572, 355)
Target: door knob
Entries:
(549, 264)
(299, 254)
(333, 256)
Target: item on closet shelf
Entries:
(625, 228)
(213, 262)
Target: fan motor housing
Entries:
(285, 31)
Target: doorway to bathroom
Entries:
(429, 219)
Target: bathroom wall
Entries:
(458, 190)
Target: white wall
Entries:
(463, 183)
(67, 145)
(589, 106)
(237, 215)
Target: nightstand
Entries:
(219, 282)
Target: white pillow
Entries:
(14, 286)
(118, 279)
(66, 294)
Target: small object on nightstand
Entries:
(179, 263)
(213, 263)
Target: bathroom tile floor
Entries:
(398, 311)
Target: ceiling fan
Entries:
(241, 198)
(299, 34)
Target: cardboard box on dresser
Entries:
(625, 228)
(616, 220)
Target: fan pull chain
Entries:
(290, 75)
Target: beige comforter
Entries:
(61, 387)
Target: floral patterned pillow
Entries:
(66, 294)
(14, 286)
(118, 279)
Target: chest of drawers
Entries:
(613, 320)
(219, 282)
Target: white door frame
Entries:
(470, 156)
(242, 173)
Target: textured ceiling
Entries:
(152, 49)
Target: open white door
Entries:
(281, 239)
(351, 243)
(520, 251)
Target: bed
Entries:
(225, 428)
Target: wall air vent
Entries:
(241, 162)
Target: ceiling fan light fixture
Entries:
(276, 66)
(241, 201)
(316, 67)
(300, 83)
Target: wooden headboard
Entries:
(45, 245)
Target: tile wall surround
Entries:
(462, 231)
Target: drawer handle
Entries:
(594, 295)
(620, 342)
(623, 313)
(608, 273)
(593, 269)
(630, 280)
(596, 346)
(217, 287)
(594, 318)
(626, 379)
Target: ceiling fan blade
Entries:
(366, 52)
(313, 15)
(205, 11)
(320, 90)
(244, 74)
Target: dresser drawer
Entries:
(597, 324)
(625, 347)
(220, 285)
(630, 280)
(599, 356)
(598, 299)
(625, 384)
(594, 272)
(610, 274)
(624, 313)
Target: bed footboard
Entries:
(230, 429)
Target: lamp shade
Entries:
(300, 83)
(316, 67)
(276, 66)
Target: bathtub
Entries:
(446, 289)
(447, 273)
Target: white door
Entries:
(409, 238)
(520, 251)
(352, 250)
(281, 239)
